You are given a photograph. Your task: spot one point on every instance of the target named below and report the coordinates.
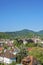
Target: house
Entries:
(7, 57)
(15, 50)
(29, 49)
(9, 43)
(24, 41)
(1, 49)
(36, 40)
(29, 60)
(8, 40)
(1, 43)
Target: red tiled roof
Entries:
(8, 54)
(29, 49)
(1, 48)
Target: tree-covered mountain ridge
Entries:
(25, 33)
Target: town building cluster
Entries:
(8, 51)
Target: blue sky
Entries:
(21, 14)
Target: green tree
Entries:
(23, 53)
(38, 53)
(30, 45)
(13, 63)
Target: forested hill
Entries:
(21, 34)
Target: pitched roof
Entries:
(29, 49)
(1, 48)
(8, 54)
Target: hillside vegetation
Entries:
(21, 34)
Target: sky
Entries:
(21, 14)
